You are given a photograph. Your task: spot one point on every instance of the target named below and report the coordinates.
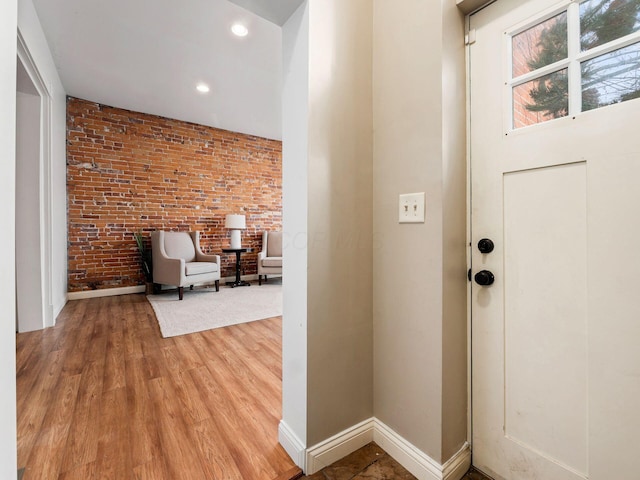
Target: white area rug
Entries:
(204, 308)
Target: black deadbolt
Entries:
(484, 278)
(485, 245)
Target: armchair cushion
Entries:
(196, 268)
(270, 258)
(274, 245)
(272, 262)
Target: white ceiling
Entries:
(148, 56)
(276, 11)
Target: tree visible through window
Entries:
(606, 79)
(550, 94)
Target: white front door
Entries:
(555, 186)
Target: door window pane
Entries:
(611, 78)
(542, 99)
(540, 45)
(602, 21)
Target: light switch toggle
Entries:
(411, 208)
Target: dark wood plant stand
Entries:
(238, 281)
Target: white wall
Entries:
(419, 287)
(35, 41)
(340, 180)
(8, 25)
(327, 212)
(295, 112)
(408, 273)
(454, 235)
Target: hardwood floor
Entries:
(103, 395)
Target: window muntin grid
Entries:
(553, 75)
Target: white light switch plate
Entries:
(411, 208)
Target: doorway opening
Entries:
(34, 309)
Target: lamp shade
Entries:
(235, 221)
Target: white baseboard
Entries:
(410, 457)
(339, 446)
(417, 462)
(109, 292)
(57, 309)
(458, 465)
(291, 444)
(105, 292)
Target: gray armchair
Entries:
(270, 258)
(178, 260)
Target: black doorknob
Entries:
(485, 245)
(484, 278)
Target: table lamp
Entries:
(235, 223)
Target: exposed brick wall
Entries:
(129, 171)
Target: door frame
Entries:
(468, 41)
(45, 181)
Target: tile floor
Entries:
(372, 463)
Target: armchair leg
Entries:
(217, 285)
(180, 292)
(190, 287)
(259, 280)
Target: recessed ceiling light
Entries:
(239, 30)
(201, 87)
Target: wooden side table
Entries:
(238, 282)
